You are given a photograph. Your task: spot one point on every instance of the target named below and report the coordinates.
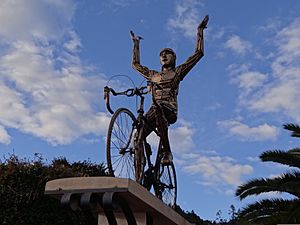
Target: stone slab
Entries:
(139, 199)
(139, 217)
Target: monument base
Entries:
(113, 201)
(141, 219)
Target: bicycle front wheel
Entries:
(167, 184)
(119, 144)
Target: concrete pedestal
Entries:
(114, 201)
(141, 219)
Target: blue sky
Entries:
(56, 56)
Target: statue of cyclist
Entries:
(167, 84)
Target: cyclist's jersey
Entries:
(167, 81)
(166, 88)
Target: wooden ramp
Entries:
(113, 201)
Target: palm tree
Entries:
(276, 210)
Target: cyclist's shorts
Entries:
(170, 113)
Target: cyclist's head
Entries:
(167, 58)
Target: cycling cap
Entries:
(167, 50)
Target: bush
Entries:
(22, 184)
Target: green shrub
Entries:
(22, 183)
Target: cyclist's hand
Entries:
(204, 22)
(135, 38)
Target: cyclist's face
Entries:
(167, 59)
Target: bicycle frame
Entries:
(151, 175)
(130, 93)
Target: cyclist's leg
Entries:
(147, 129)
(158, 116)
(142, 148)
(162, 122)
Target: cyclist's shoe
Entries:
(167, 159)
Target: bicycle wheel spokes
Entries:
(119, 149)
(121, 130)
(168, 184)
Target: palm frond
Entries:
(294, 128)
(287, 158)
(270, 211)
(274, 211)
(294, 151)
(294, 216)
(286, 183)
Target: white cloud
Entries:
(122, 3)
(90, 140)
(280, 92)
(181, 137)
(259, 133)
(217, 171)
(208, 168)
(272, 25)
(283, 93)
(214, 106)
(289, 41)
(253, 159)
(250, 80)
(239, 46)
(43, 19)
(186, 18)
(219, 33)
(44, 88)
(74, 44)
(4, 137)
(278, 97)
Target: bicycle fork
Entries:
(138, 158)
(156, 183)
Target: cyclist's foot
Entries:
(167, 159)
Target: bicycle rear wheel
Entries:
(120, 153)
(167, 184)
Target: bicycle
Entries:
(125, 159)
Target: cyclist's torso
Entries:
(166, 89)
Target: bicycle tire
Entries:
(167, 183)
(120, 153)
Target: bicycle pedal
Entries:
(167, 159)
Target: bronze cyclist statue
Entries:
(165, 86)
(127, 151)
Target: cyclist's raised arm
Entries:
(184, 68)
(143, 70)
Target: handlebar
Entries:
(129, 93)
